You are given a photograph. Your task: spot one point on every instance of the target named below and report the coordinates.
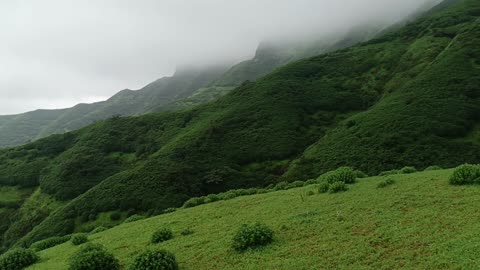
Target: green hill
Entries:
(22, 128)
(409, 97)
(420, 222)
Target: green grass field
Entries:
(419, 222)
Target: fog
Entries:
(56, 53)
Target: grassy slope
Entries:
(248, 137)
(421, 222)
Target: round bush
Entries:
(323, 188)
(162, 235)
(343, 174)
(385, 183)
(251, 236)
(194, 202)
(155, 260)
(133, 218)
(337, 187)
(93, 257)
(465, 175)
(79, 239)
(433, 168)
(17, 259)
(115, 216)
(408, 170)
(50, 242)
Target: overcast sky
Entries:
(56, 53)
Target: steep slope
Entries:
(22, 128)
(420, 112)
(420, 222)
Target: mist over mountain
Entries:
(56, 53)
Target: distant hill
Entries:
(409, 97)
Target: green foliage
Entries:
(93, 257)
(407, 170)
(323, 187)
(133, 218)
(433, 168)
(50, 242)
(466, 174)
(338, 186)
(17, 259)
(187, 231)
(343, 174)
(116, 216)
(281, 186)
(391, 172)
(360, 174)
(155, 260)
(80, 238)
(162, 235)
(252, 236)
(385, 183)
(98, 229)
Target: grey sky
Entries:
(56, 53)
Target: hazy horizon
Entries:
(60, 53)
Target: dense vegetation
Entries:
(420, 222)
(409, 98)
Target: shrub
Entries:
(295, 184)
(17, 259)
(162, 235)
(337, 187)
(133, 218)
(408, 170)
(115, 216)
(310, 182)
(251, 236)
(433, 168)
(212, 198)
(186, 232)
(281, 186)
(98, 229)
(465, 174)
(323, 188)
(79, 239)
(385, 173)
(360, 174)
(262, 191)
(385, 183)
(169, 210)
(93, 257)
(343, 174)
(155, 260)
(50, 242)
(194, 202)
(310, 193)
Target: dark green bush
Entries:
(212, 198)
(186, 232)
(311, 182)
(408, 169)
(79, 239)
(337, 187)
(133, 218)
(360, 174)
(295, 184)
(192, 202)
(385, 183)
(281, 186)
(162, 235)
(98, 229)
(343, 174)
(155, 260)
(93, 257)
(50, 242)
(18, 259)
(323, 188)
(115, 216)
(251, 236)
(310, 193)
(433, 168)
(465, 175)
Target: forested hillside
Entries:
(409, 97)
